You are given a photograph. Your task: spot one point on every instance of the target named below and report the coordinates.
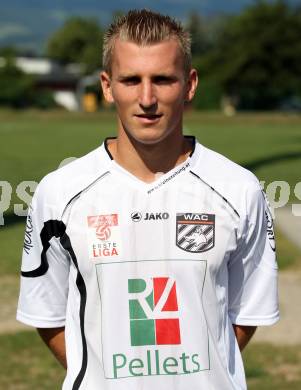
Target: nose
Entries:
(147, 96)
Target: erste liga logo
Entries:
(102, 225)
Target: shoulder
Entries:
(233, 182)
(220, 168)
(57, 188)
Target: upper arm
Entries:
(54, 338)
(253, 298)
(45, 266)
(243, 334)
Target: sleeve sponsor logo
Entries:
(195, 232)
(270, 230)
(28, 243)
(269, 222)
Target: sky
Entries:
(28, 24)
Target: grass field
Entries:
(34, 143)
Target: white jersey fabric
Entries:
(149, 278)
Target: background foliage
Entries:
(17, 89)
(252, 58)
(79, 40)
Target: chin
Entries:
(150, 139)
(147, 136)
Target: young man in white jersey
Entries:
(151, 260)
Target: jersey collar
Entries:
(185, 166)
(190, 137)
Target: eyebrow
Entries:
(167, 76)
(127, 76)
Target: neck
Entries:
(145, 161)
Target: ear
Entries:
(192, 84)
(106, 84)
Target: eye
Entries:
(164, 80)
(133, 80)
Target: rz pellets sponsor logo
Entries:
(152, 362)
(153, 310)
(153, 316)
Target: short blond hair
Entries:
(145, 27)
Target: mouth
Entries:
(148, 118)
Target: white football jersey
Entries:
(149, 278)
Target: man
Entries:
(150, 255)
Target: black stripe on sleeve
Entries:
(55, 228)
(52, 228)
(80, 283)
(221, 196)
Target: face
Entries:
(149, 89)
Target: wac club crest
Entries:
(195, 232)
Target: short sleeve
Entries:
(45, 266)
(253, 296)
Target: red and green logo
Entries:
(153, 310)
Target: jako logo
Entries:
(136, 216)
(153, 309)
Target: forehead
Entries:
(129, 57)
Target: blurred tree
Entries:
(257, 55)
(13, 51)
(199, 36)
(15, 86)
(79, 40)
(209, 92)
(8, 51)
(18, 90)
(117, 14)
